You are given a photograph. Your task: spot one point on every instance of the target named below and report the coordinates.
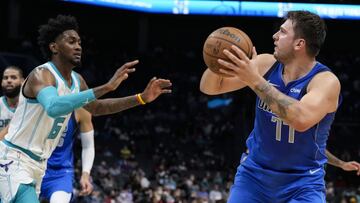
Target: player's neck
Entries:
(63, 67)
(297, 68)
(12, 102)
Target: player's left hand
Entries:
(351, 166)
(155, 88)
(239, 65)
(86, 186)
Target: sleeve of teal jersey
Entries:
(56, 105)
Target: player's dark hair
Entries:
(21, 73)
(55, 27)
(310, 27)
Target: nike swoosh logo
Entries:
(86, 102)
(272, 84)
(314, 171)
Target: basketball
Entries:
(221, 39)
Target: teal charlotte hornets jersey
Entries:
(31, 130)
(276, 146)
(6, 113)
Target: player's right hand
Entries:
(351, 166)
(121, 74)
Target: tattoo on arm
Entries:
(333, 160)
(113, 105)
(278, 102)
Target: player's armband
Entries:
(56, 105)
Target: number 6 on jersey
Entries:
(58, 123)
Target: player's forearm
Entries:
(210, 83)
(113, 105)
(101, 90)
(333, 160)
(56, 105)
(283, 106)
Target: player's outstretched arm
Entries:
(153, 90)
(214, 84)
(41, 85)
(321, 97)
(346, 166)
(88, 149)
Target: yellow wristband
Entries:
(140, 100)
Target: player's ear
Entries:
(53, 47)
(299, 44)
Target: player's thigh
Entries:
(247, 190)
(50, 185)
(309, 196)
(239, 194)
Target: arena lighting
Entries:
(231, 8)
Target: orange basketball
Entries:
(223, 38)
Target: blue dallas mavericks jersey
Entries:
(62, 157)
(274, 145)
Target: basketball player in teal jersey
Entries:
(11, 81)
(48, 96)
(297, 98)
(59, 171)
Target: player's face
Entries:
(69, 47)
(284, 42)
(11, 83)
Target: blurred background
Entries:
(185, 146)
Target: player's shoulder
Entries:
(78, 76)
(40, 70)
(325, 78)
(264, 62)
(325, 81)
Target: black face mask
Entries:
(12, 93)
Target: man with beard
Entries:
(10, 84)
(51, 92)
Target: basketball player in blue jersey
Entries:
(11, 81)
(48, 96)
(297, 98)
(57, 184)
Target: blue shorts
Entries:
(258, 185)
(56, 180)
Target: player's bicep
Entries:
(322, 97)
